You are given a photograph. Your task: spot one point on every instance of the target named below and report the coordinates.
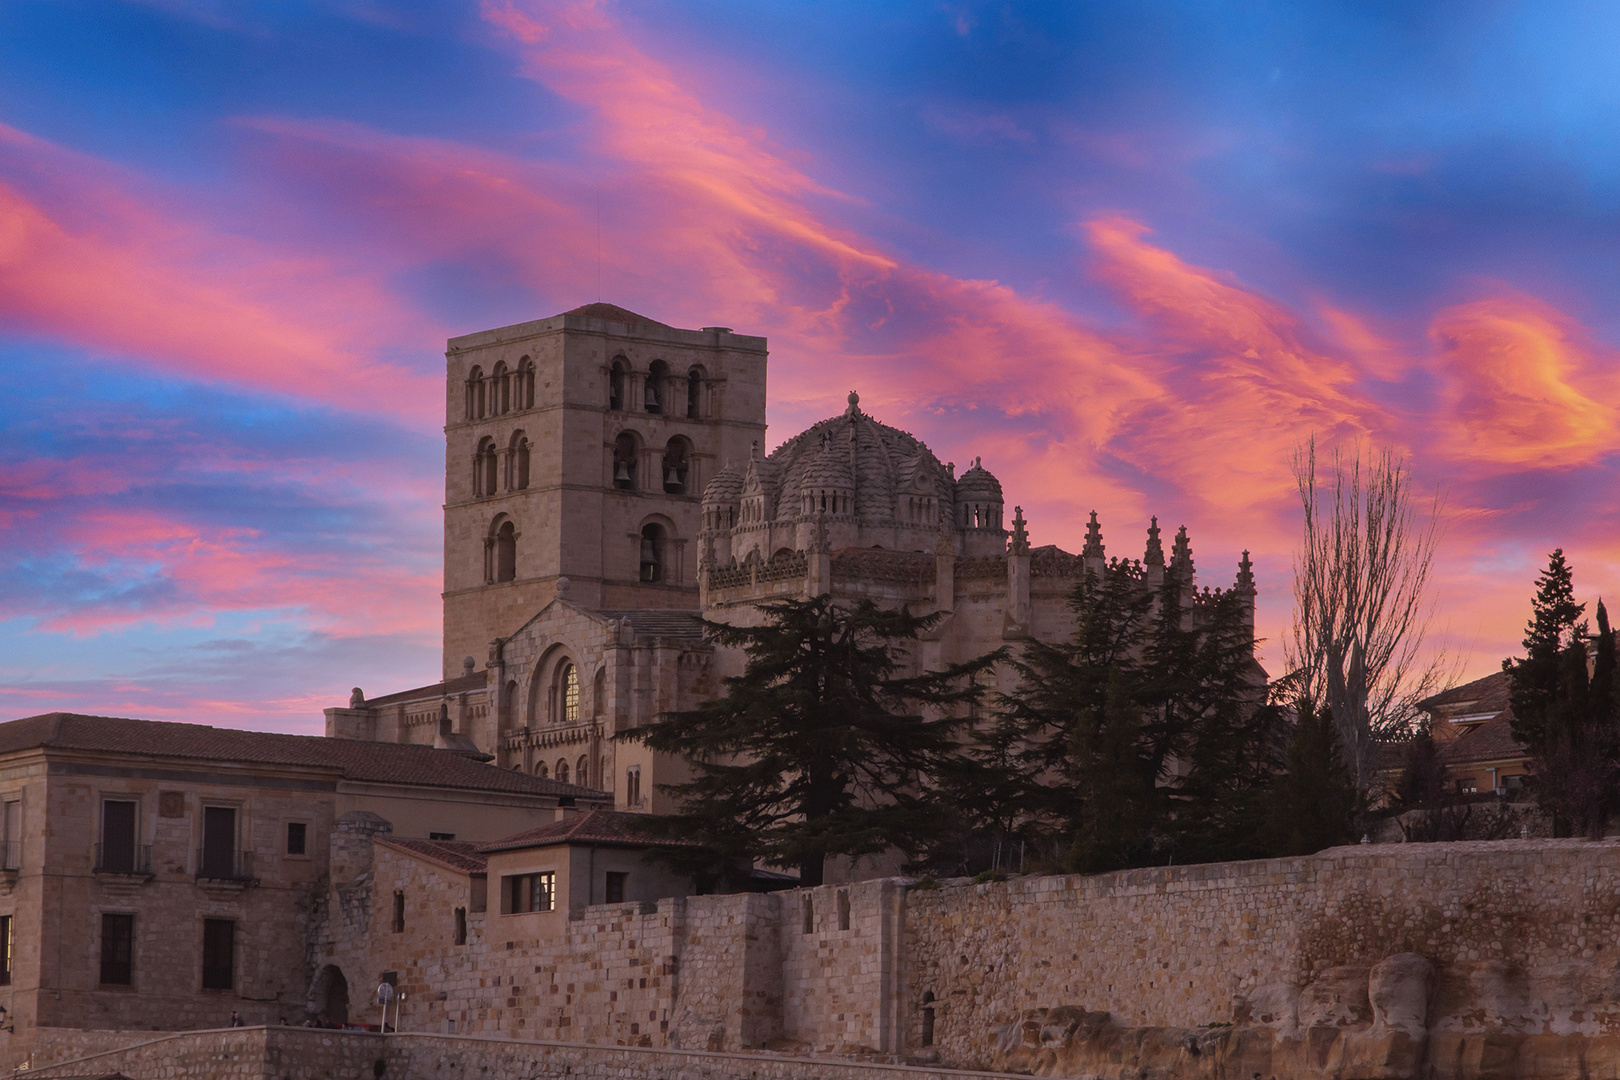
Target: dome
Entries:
(726, 487)
(828, 470)
(978, 484)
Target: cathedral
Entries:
(606, 487)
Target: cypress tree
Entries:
(1314, 801)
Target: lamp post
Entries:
(385, 994)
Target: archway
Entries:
(332, 995)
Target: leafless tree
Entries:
(1360, 614)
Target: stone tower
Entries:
(579, 446)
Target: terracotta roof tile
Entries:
(459, 855)
(659, 622)
(461, 684)
(1489, 694)
(595, 827)
(1491, 741)
(354, 759)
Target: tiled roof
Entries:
(458, 855)
(1491, 741)
(612, 313)
(1489, 694)
(449, 688)
(595, 827)
(354, 759)
(659, 622)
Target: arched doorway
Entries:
(332, 996)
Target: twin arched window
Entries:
(485, 468)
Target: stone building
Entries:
(1473, 725)
(161, 875)
(606, 487)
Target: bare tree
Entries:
(1360, 615)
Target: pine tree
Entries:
(1314, 802)
(820, 747)
(1537, 678)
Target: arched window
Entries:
(523, 386)
(540, 770)
(694, 394)
(618, 379)
(475, 394)
(562, 770)
(624, 462)
(500, 390)
(599, 693)
(582, 771)
(652, 552)
(517, 463)
(657, 386)
(506, 552)
(568, 682)
(509, 706)
(484, 468)
(677, 463)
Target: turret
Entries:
(978, 512)
(1153, 558)
(722, 499)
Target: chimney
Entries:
(566, 808)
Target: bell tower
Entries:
(578, 446)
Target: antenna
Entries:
(599, 245)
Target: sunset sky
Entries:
(1130, 254)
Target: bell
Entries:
(651, 399)
(649, 554)
(621, 472)
(671, 477)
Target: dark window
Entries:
(528, 892)
(616, 386)
(624, 462)
(928, 1019)
(5, 950)
(399, 911)
(219, 842)
(809, 915)
(297, 838)
(657, 377)
(615, 886)
(219, 954)
(652, 552)
(675, 467)
(441, 836)
(843, 909)
(694, 388)
(117, 837)
(632, 785)
(461, 926)
(117, 949)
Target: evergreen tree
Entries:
(1314, 802)
(819, 748)
(1423, 775)
(1537, 678)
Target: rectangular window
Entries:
(399, 911)
(461, 926)
(441, 836)
(528, 892)
(219, 954)
(843, 909)
(117, 949)
(297, 838)
(615, 886)
(13, 837)
(218, 856)
(809, 915)
(632, 785)
(117, 854)
(5, 950)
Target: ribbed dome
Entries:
(854, 452)
(828, 469)
(725, 488)
(978, 484)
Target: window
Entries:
(506, 552)
(617, 379)
(523, 385)
(399, 911)
(615, 886)
(517, 464)
(5, 950)
(599, 693)
(624, 462)
(500, 389)
(441, 836)
(569, 681)
(928, 1018)
(297, 838)
(485, 466)
(694, 391)
(652, 552)
(117, 949)
(540, 770)
(528, 892)
(475, 394)
(843, 909)
(461, 926)
(657, 379)
(218, 856)
(582, 771)
(676, 465)
(562, 770)
(117, 855)
(809, 915)
(219, 954)
(632, 785)
(13, 837)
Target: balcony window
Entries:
(118, 853)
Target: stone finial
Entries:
(1181, 559)
(1245, 577)
(357, 700)
(1154, 556)
(1094, 540)
(562, 587)
(854, 404)
(950, 470)
(468, 666)
(1020, 536)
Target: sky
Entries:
(1131, 254)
